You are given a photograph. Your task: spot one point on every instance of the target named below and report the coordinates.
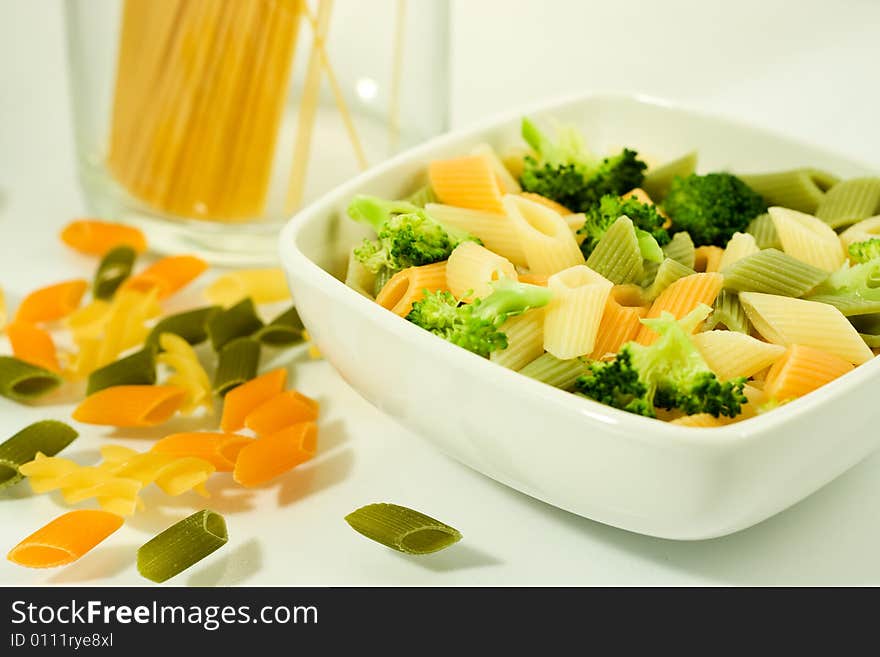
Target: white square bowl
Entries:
(631, 472)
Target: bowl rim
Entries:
(643, 429)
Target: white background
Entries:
(807, 68)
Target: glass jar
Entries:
(207, 123)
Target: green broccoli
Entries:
(407, 235)
(864, 251)
(670, 374)
(567, 173)
(475, 326)
(861, 281)
(712, 207)
(610, 207)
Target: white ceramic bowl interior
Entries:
(631, 472)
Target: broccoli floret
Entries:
(567, 173)
(475, 326)
(407, 235)
(610, 207)
(865, 251)
(670, 374)
(712, 207)
(861, 281)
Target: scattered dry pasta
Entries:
(94, 237)
(52, 302)
(65, 539)
(131, 406)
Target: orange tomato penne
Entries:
(283, 410)
(94, 237)
(707, 258)
(167, 275)
(241, 400)
(52, 302)
(466, 182)
(802, 370)
(33, 345)
(266, 458)
(409, 285)
(547, 203)
(130, 406)
(219, 449)
(65, 539)
(680, 298)
(620, 320)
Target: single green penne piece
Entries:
(849, 304)
(382, 276)
(422, 196)
(237, 363)
(137, 369)
(727, 312)
(114, 268)
(681, 249)
(283, 331)
(868, 327)
(763, 230)
(798, 189)
(850, 201)
(239, 321)
(669, 271)
(182, 545)
(617, 256)
(23, 381)
(191, 325)
(402, 529)
(773, 272)
(47, 437)
(556, 372)
(657, 180)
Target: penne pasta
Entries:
(112, 271)
(861, 232)
(680, 298)
(574, 313)
(850, 201)
(240, 401)
(799, 189)
(52, 302)
(495, 231)
(506, 181)
(546, 239)
(681, 249)
(21, 381)
(33, 345)
(620, 323)
(547, 203)
(271, 456)
(471, 269)
(730, 354)
(167, 275)
(728, 313)
(94, 237)
(45, 437)
(409, 285)
(65, 539)
(658, 179)
(773, 272)
(283, 410)
(525, 340)
(561, 374)
(617, 255)
(466, 182)
(219, 449)
(708, 258)
(739, 246)
(802, 370)
(808, 239)
(130, 406)
(787, 321)
(764, 232)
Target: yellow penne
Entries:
(620, 320)
(575, 222)
(466, 182)
(547, 203)
(546, 240)
(808, 239)
(802, 370)
(574, 313)
(788, 321)
(739, 246)
(525, 340)
(472, 268)
(866, 229)
(681, 297)
(409, 285)
(495, 231)
(708, 258)
(506, 181)
(700, 420)
(731, 354)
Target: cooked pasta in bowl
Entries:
(658, 319)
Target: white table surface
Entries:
(802, 75)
